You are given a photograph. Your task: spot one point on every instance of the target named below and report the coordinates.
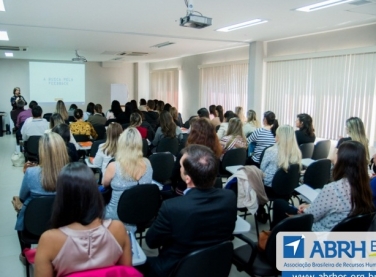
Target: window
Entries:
(224, 85)
(330, 89)
(164, 85)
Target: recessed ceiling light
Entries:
(3, 35)
(8, 54)
(2, 7)
(163, 44)
(322, 5)
(242, 25)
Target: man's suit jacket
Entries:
(97, 119)
(199, 219)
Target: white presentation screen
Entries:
(50, 82)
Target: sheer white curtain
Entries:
(164, 85)
(224, 85)
(330, 89)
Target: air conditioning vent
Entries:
(134, 54)
(117, 59)
(13, 48)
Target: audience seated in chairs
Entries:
(64, 132)
(62, 110)
(234, 137)
(167, 128)
(41, 180)
(349, 195)
(202, 132)
(24, 115)
(56, 119)
(129, 169)
(81, 127)
(107, 150)
(80, 238)
(97, 118)
(35, 127)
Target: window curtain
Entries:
(224, 85)
(330, 89)
(164, 85)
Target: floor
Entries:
(10, 182)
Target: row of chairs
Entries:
(317, 151)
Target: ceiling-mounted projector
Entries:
(79, 59)
(194, 19)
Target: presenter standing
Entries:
(16, 96)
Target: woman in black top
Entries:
(306, 133)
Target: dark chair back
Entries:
(37, 217)
(210, 261)
(47, 116)
(145, 147)
(71, 118)
(297, 223)
(168, 145)
(162, 164)
(139, 205)
(109, 121)
(95, 146)
(317, 174)
(321, 150)
(234, 157)
(32, 148)
(358, 223)
(81, 138)
(217, 128)
(183, 141)
(101, 131)
(284, 183)
(307, 150)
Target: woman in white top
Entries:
(222, 131)
(252, 123)
(107, 150)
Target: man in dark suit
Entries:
(203, 217)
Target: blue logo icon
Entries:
(293, 246)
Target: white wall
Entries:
(189, 74)
(15, 73)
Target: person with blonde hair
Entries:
(62, 110)
(41, 180)
(355, 130)
(129, 169)
(106, 151)
(251, 124)
(283, 153)
(240, 113)
(234, 137)
(136, 121)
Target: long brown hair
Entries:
(62, 110)
(113, 133)
(168, 126)
(53, 156)
(203, 132)
(352, 164)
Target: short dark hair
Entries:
(98, 108)
(203, 112)
(63, 130)
(20, 104)
(142, 102)
(32, 104)
(151, 104)
(78, 113)
(73, 107)
(228, 115)
(77, 197)
(201, 165)
(36, 111)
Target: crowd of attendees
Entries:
(123, 164)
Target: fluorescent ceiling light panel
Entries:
(3, 35)
(2, 7)
(8, 54)
(242, 25)
(322, 5)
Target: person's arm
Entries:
(108, 174)
(43, 257)
(118, 230)
(24, 100)
(160, 231)
(252, 137)
(322, 204)
(98, 159)
(93, 133)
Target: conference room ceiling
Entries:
(52, 30)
